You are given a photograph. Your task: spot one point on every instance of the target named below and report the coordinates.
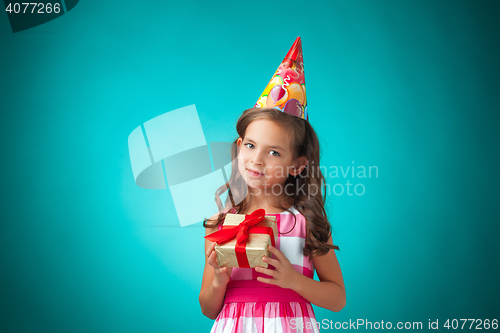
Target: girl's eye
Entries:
(251, 146)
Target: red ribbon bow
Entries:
(241, 232)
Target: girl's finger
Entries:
(210, 249)
(267, 271)
(222, 270)
(273, 262)
(208, 258)
(281, 257)
(269, 281)
(212, 260)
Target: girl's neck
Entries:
(270, 208)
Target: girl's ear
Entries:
(301, 164)
(238, 142)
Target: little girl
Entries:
(277, 156)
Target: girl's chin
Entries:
(255, 184)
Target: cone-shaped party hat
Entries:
(287, 89)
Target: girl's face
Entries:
(265, 157)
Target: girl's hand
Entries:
(222, 274)
(284, 275)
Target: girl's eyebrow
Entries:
(274, 147)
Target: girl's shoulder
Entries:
(292, 223)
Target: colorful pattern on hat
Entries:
(287, 89)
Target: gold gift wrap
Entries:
(256, 244)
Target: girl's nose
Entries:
(257, 157)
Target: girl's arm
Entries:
(213, 286)
(328, 293)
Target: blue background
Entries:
(408, 86)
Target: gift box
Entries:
(244, 239)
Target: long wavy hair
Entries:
(304, 142)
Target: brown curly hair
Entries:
(304, 142)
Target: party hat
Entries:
(287, 89)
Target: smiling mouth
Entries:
(254, 173)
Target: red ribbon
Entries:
(241, 232)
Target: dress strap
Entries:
(231, 210)
(256, 291)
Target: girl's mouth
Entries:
(254, 173)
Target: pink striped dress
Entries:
(251, 306)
